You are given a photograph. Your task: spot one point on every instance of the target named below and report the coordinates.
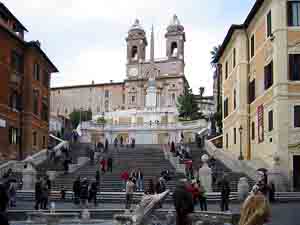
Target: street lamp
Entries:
(241, 157)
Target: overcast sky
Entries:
(86, 38)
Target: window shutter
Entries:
(271, 74)
(10, 135)
(290, 14)
(291, 66)
(266, 77)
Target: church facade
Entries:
(163, 79)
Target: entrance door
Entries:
(296, 171)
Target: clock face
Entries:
(133, 72)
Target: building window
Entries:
(134, 53)
(234, 136)
(17, 62)
(252, 46)
(174, 49)
(271, 120)
(225, 108)
(46, 79)
(226, 70)
(269, 24)
(173, 98)
(297, 116)
(226, 140)
(132, 99)
(106, 106)
(36, 102)
(13, 136)
(44, 141)
(98, 108)
(234, 99)
(123, 98)
(253, 130)
(269, 75)
(34, 138)
(45, 112)
(234, 58)
(251, 91)
(15, 101)
(294, 61)
(293, 13)
(66, 111)
(106, 94)
(36, 71)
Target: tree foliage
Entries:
(214, 53)
(187, 105)
(76, 115)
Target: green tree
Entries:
(78, 115)
(214, 53)
(187, 105)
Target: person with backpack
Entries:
(84, 193)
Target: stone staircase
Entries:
(218, 169)
(149, 158)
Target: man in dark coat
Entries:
(183, 202)
(3, 219)
(109, 163)
(38, 194)
(106, 145)
(93, 193)
(3, 198)
(76, 190)
(225, 192)
(84, 192)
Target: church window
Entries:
(132, 99)
(174, 49)
(134, 53)
(123, 98)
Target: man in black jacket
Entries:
(38, 193)
(225, 193)
(183, 202)
(76, 190)
(3, 198)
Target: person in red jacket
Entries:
(103, 165)
(124, 178)
(194, 190)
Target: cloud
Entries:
(86, 38)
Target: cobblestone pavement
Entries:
(282, 213)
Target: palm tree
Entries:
(214, 52)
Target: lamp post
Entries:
(241, 157)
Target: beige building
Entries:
(260, 62)
(131, 94)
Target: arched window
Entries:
(174, 49)
(134, 53)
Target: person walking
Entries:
(44, 195)
(76, 190)
(225, 193)
(103, 165)
(183, 202)
(133, 176)
(121, 141)
(93, 193)
(38, 193)
(172, 147)
(124, 178)
(116, 143)
(110, 163)
(97, 178)
(129, 193)
(84, 193)
(256, 209)
(12, 193)
(106, 145)
(202, 196)
(140, 180)
(3, 198)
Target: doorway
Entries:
(296, 172)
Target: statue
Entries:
(205, 174)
